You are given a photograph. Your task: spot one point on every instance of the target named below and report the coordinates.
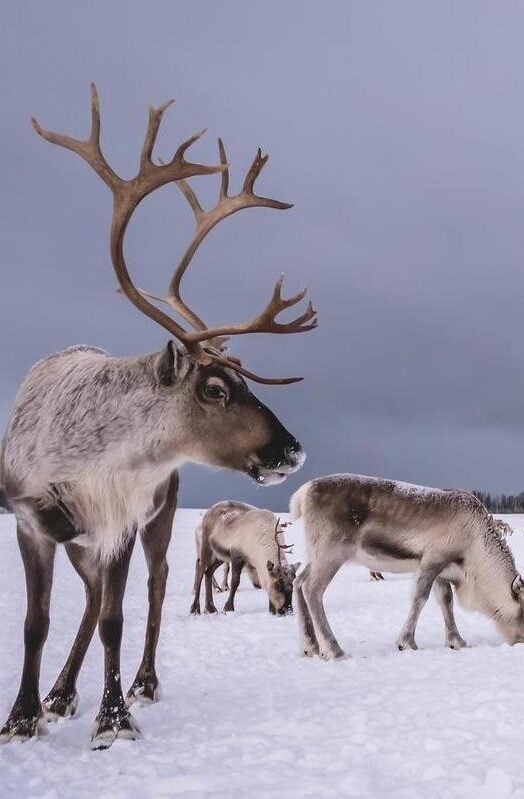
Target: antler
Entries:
(128, 194)
(281, 547)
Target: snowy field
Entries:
(242, 715)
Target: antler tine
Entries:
(155, 118)
(233, 363)
(259, 162)
(265, 321)
(224, 183)
(192, 199)
(89, 149)
(254, 171)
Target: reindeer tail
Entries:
(296, 503)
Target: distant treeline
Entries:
(495, 503)
(502, 503)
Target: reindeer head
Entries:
(202, 384)
(281, 578)
(225, 424)
(510, 619)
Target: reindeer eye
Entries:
(214, 391)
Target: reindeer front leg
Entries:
(308, 639)
(423, 585)
(313, 587)
(62, 699)
(114, 719)
(155, 540)
(38, 558)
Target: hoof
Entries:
(60, 705)
(195, 609)
(403, 644)
(228, 608)
(144, 692)
(211, 609)
(308, 650)
(335, 654)
(22, 728)
(456, 642)
(108, 729)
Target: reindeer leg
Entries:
(199, 575)
(308, 643)
(237, 564)
(253, 576)
(224, 586)
(195, 581)
(314, 586)
(155, 540)
(444, 594)
(423, 585)
(62, 699)
(114, 719)
(209, 572)
(38, 557)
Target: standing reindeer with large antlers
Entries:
(93, 444)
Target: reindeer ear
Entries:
(517, 587)
(270, 566)
(165, 368)
(296, 566)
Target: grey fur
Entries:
(445, 536)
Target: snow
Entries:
(243, 715)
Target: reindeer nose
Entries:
(294, 454)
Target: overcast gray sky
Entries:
(397, 129)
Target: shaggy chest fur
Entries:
(110, 505)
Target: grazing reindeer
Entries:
(93, 444)
(223, 586)
(445, 536)
(241, 534)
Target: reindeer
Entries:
(241, 534)
(445, 536)
(94, 442)
(223, 586)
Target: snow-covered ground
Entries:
(242, 715)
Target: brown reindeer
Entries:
(93, 444)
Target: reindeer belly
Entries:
(381, 552)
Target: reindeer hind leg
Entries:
(237, 564)
(444, 594)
